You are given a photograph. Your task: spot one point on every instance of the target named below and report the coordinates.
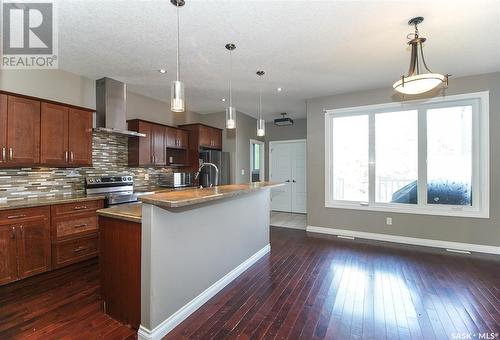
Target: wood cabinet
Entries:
(20, 130)
(66, 136)
(74, 229)
(204, 136)
(153, 150)
(24, 243)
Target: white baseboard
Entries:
(478, 248)
(172, 321)
(288, 226)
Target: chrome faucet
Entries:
(197, 174)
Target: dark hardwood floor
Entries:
(309, 287)
(322, 287)
(63, 304)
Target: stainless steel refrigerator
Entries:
(207, 174)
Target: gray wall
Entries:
(457, 229)
(246, 129)
(275, 133)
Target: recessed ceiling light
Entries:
(279, 89)
(223, 99)
(162, 71)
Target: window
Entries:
(423, 157)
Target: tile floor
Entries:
(288, 220)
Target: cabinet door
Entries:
(80, 137)
(23, 131)
(205, 136)
(182, 139)
(8, 254)
(33, 246)
(54, 135)
(3, 128)
(171, 137)
(159, 147)
(216, 135)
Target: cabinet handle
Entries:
(79, 249)
(22, 231)
(71, 156)
(80, 207)
(11, 217)
(66, 156)
(13, 233)
(11, 153)
(4, 154)
(80, 225)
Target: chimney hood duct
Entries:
(111, 103)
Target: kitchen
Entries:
(183, 170)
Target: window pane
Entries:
(449, 155)
(396, 157)
(350, 158)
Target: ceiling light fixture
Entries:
(261, 123)
(420, 78)
(177, 91)
(162, 71)
(230, 110)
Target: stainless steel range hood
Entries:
(111, 103)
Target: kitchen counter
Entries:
(43, 201)
(182, 198)
(129, 212)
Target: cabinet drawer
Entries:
(75, 225)
(23, 214)
(67, 252)
(77, 207)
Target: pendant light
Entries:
(261, 123)
(177, 99)
(230, 111)
(420, 78)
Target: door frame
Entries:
(288, 141)
(262, 170)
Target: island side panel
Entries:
(189, 249)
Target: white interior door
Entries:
(299, 179)
(281, 197)
(288, 165)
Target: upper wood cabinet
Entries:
(66, 136)
(204, 136)
(149, 150)
(20, 131)
(176, 138)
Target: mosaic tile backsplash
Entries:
(109, 157)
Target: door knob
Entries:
(294, 181)
(288, 181)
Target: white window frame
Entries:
(480, 157)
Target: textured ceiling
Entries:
(309, 48)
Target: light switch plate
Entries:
(242, 172)
(388, 220)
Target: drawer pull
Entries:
(80, 207)
(16, 216)
(79, 249)
(81, 225)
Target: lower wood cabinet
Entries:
(24, 243)
(36, 240)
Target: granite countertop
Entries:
(182, 198)
(43, 201)
(129, 212)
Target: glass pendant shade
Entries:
(230, 117)
(261, 127)
(419, 83)
(420, 78)
(177, 96)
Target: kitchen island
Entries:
(192, 244)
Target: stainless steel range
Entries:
(116, 189)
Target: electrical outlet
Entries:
(242, 172)
(388, 220)
(146, 177)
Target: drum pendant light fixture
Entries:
(231, 110)
(177, 99)
(261, 123)
(420, 78)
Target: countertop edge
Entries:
(31, 203)
(119, 216)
